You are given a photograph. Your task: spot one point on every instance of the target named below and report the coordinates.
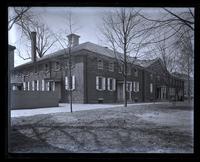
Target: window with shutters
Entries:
(57, 65)
(129, 86)
(136, 86)
(111, 84)
(128, 70)
(70, 83)
(120, 69)
(135, 72)
(151, 76)
(24, 86)
(111, 66)
(100, 83)
(100, 64)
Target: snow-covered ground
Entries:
(66, 108)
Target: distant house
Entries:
(184, 77)
(97, 76)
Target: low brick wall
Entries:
(33, 99)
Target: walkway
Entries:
(66, 108)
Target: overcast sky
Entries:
(87, 18)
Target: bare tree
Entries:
(44, 37)
(16, 14)
(66, 44)
(122, 31)
(186, 57)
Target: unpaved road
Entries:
(136, 129)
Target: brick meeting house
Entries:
(96, 76)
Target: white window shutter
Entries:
(37, 85)
(134, 87)
(108, 84)
(114, 84)
(43, 85)
(24, 86)
(138, 87)
(28, 86)
(48, 84)
(131, 86)
(104, 83)
(97, 83)
(66, 83)
(53, 86)
(73, 82)
(33, 86)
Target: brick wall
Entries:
(33, 99)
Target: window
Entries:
(128, 70)
(70, 83)
(46, 67)
(136, 87)
(171, 91)
(111, 82)
(100, 83)
(129, 86)
(151, 76)
(135, 72)
(151, 87)
(158, 78)
(120, 68)
(57, 65)
(100, 64)
(111, 66)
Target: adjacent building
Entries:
(96, 76)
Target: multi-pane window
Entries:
(128, 70)
(100, 83)
(171, 91)
(136, 86)
(111, 83)
(151, 76)
(46, 67)
(70, 83)
(57, 65)
(100, 64)
(135, 72)
(120, 68)
(43, 85)
(129, 86)
(151, 87)
(111, 66)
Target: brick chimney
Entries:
(73, 39)
(33, 46)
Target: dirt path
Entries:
(146, 129)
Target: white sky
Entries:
(88, 18)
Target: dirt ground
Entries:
(135, 129)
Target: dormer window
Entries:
(100, 64)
